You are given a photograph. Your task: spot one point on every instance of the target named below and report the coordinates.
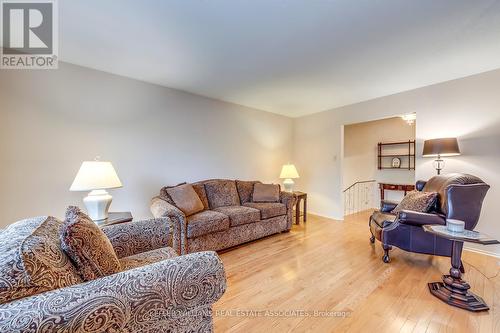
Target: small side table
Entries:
(115, 218)
(300, 196)
(453, 290)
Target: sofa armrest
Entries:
(161, 208)
(420, 219)
(166, 296)
(387, 206)
(288, 200)
(140, 236)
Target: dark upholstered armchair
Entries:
(460, 196)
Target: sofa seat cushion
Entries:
(239, 215)
(147, 258)
(268, 209)
(222, 193)
(382, 219)
(88, 246)
(206, 222)
(31, 259)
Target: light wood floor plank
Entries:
(329, 266)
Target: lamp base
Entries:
(439, 165)
(97, 203)
(288, 184)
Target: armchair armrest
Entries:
(288, 200)
(136, 237)
(171, 295)
(419, 186)
(387, 206)
(419, 219)
(161, 208)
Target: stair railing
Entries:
(359, 196)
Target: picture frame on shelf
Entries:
(396, 163)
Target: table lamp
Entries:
(96, 177)
(288, 173)
(441, 148)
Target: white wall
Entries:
(468, 108)
(51, 121)
(361, 154)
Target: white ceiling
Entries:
(292, 57)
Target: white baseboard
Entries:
(326, 217)
(480, 251)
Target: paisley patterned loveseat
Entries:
(156, 290)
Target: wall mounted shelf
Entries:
(403, 150)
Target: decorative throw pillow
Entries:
(31, 259)
(417, 201)
(87, 246)
(245, 190)
(266, 193)
(199, 188)
(164, 193)
(221, 193)
(186, 199)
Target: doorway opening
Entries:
(379, 162)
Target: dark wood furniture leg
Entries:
(297, 211)
(305, 209)
(300, 196)
(455, 291)
(386, 258)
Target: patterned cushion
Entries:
(245, 190)
(268, 209)
(147, 258)
(186, 199)
(222, 193)
(239, 215)
(135, 237)
(87, 246)
(164, 193)
(206, 222)
(382, 219)
(31, 259)
(199, 188)
(417, 201)
(266, 193)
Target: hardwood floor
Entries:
(330, 267)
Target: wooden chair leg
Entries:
(386, 258)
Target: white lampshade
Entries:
(95, 175)
(289, 171)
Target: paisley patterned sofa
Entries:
(229, 218)
(156, 290)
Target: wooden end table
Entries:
(115, 218)
(300, 196)
(453, 290)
